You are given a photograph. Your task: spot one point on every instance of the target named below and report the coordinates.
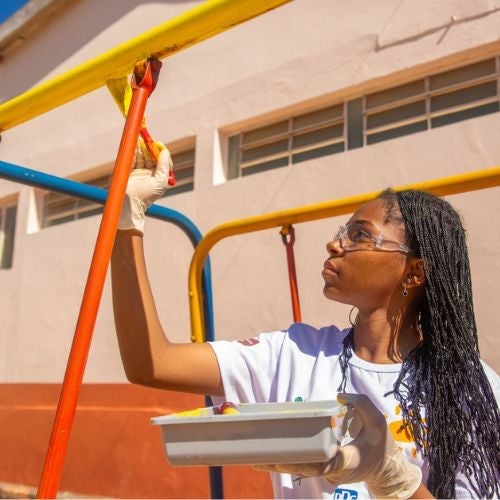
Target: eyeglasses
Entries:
(354, 236)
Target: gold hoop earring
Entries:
(353, 323)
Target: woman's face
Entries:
(366, 278)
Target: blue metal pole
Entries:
(50, 182)
(38, 179)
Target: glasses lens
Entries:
(358, 235)
(340, 235)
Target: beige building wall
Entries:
(304, 55)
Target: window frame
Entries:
(79, 208)
(8, 223)
(427, 96)
(481, 76)
(289, 155)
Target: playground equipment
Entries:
(200, 23)
(209, 19)
(205, 21)
(480, 179)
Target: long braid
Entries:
(444, 375)
(345, 356)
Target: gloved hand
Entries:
(372, 456)
(148, 181)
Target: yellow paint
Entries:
(121, 91)
(400, 434)
(197, 412)
(454, 184)
(230, 411)
(200, 23)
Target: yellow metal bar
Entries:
(454, 184)
(198, 24)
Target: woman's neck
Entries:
(379, 338)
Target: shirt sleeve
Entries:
(248, 367)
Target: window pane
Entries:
(8, 230)
(317, 136)
(56, 206)
(266, 150)
(463, 96)
(461, 75)
(395, 94)
(233, 156)
(318, 117)
(396, 115)
(262, 167)
(318, 152)
(89, 212)
(179, 188)
(465, 114)
(355, 123)
(183, 171)
(265, 132)
(397, 132)
(183, 157)
(183, 174)
(59, 208)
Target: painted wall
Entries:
(304, 53)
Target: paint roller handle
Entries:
(145, 76)
(154, 151)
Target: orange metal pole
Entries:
(68, 398)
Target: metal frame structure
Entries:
(198, 24)
(454, 184)
(208, 19)
(194, 26)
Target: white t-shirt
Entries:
(303, 362)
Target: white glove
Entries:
(147, 182)
(372, 456)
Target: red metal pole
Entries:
(68, 398)
(288, 231)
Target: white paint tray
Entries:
(262, 433)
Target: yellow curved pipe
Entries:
(454, 184)
(198, 24)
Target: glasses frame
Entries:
(379, 241)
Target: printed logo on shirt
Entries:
(249, 342)
(343, 494)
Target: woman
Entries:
(402, 262)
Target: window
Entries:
(433, 101)
(59, 208)
(183, 159)
(415, 106)
(287, 142)
(8, 214)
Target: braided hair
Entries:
(443, 375)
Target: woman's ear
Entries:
(415, 274)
